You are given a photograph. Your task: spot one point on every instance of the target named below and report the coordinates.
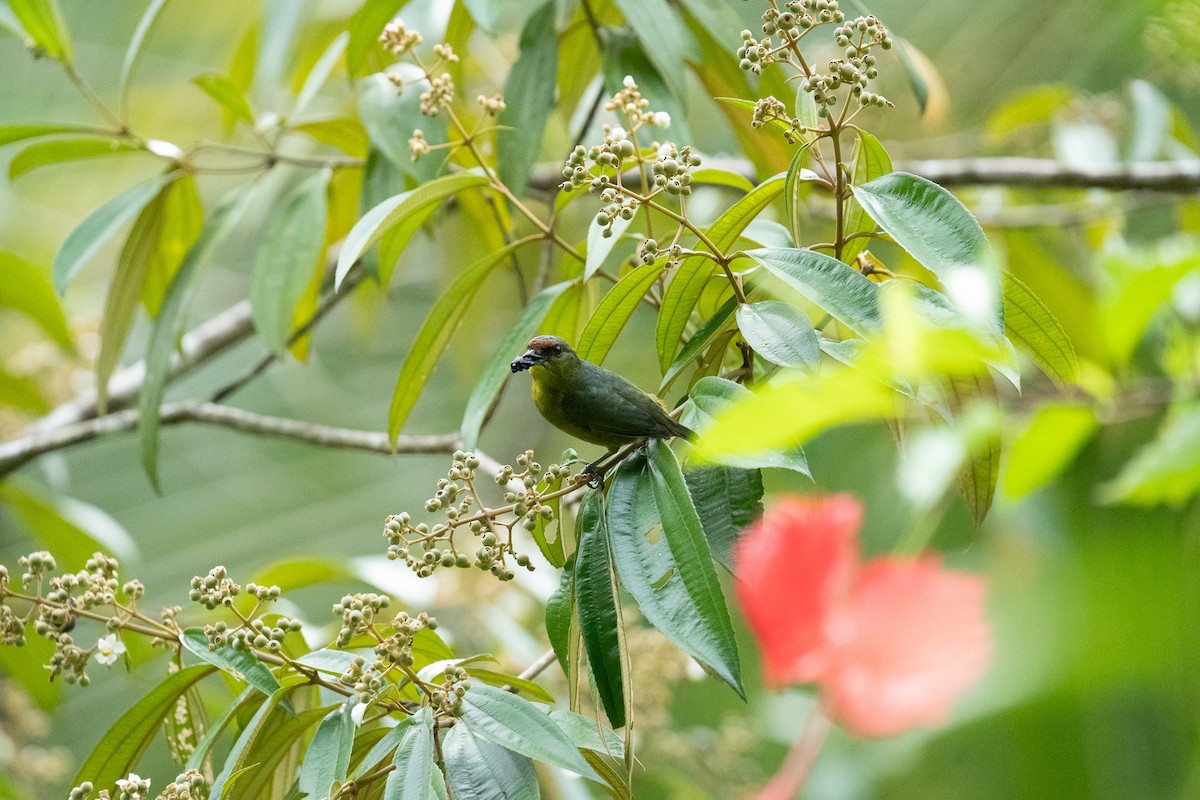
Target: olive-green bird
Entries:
(590, 402)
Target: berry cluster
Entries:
(257, 634)
(358, 612)
(447, 698)
(214, 589)
(397, 648)
(366, 680)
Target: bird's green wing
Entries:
(608, 403)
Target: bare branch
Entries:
(18, 451)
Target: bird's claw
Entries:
(594, 475)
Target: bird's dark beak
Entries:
(529, 359)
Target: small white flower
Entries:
(617, 133)
(661, 119)
(357, 713)
(109, 650)
(134, 785)
(666, 150)
(629, 82)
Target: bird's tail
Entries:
(682, 431)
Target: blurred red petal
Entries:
(911, 638)
(793, 567)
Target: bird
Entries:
(592, 403)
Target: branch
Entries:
(1179, 176)
(18, 451)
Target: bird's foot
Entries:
(595, 475)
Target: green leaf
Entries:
(36, 130)
(182, 222)
(626, 54)
(384, 747)
(227, 94)
(74, 530)
(247, 699)
(1033, 106)
(845, 293)
(600, 246)
(662, 558)
(699, 340)
(260, 748)
(477, 769)
(241, 664)
(1135, 294)
(529, 97)
(712, 176)
(978, 477)
(933, 226)
(167, 326)
(666, 41)
(486, 14)
(588, 734)
(496, 371)
(515, 683)
(871, 161)
(101, 225)
(614, 311)
(560, 608)
(364, 27)
(42, 20)
(291, 243)
(779, 332)
(516, 724)
(727, 500)
(412, 779)
(58, 151)
(318, 76)
(443, 320)
(133, 53)
(691, 276)
(391, 116)
(405, 213)
(22, 392)
(25, 288)
(1033, 328)
(122, 745)
(345, 133)
(327, 758)
(709, 398)
(1047, 445)
(595, 594)
(1164, 471)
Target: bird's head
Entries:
(550, 352)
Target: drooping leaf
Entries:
(75, 530)
(1047, 445)
(167, 326)
(122, 745)
(291, 243)
(477, 769)
(779, 332)
(496, 370)
(26, 289)
(327, 758)
(596, 601)
(560, 608)
(842, 291)
(727, 500)
(42, 20)
(227, 94)
(281, 22)
(404, 213)
(101, 225)
(871, 161)
(662, 559)
(529, 99)
(516, 724)
(1152, 122)
(588, 734)
(691, 276)
(614, 311)
(133, 53)
(443, 320)
(412, 779)
(1033, 328)
(238, 663)
(978, 477)
(60, 151)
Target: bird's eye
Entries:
(556, 350)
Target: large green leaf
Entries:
(1047, 445)
(614, 311)
(182, 221)
(122, 745)
(477, 769)
(662, 557)
(691, 276)
(42, 20)
(665, 39)
(727, 500)
(595, 595)
(1031, 326)
(327, 758)
(588, 734)
(497, 370)
(74, 530)
(25, 288)
(59, 151)
(709, 397)
(36, 130)
(1167, 469)
(529, 97)
(600, 246)
(871, 162)
(390, 116)
(133, 53)
(383, 748)
(227, 94)
(318, 76)
(560, 609)
(516, 724)
(979, 474)
(405, 213)
(101, 225)
(263, 744)
(167, 326)
(691, 351)
(443, 320)
(249, 698)
(345, 133)
(779, 332)
(241, 664)
(292, 241)
(840, 290)
(412, 779)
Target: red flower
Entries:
(890, 643)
